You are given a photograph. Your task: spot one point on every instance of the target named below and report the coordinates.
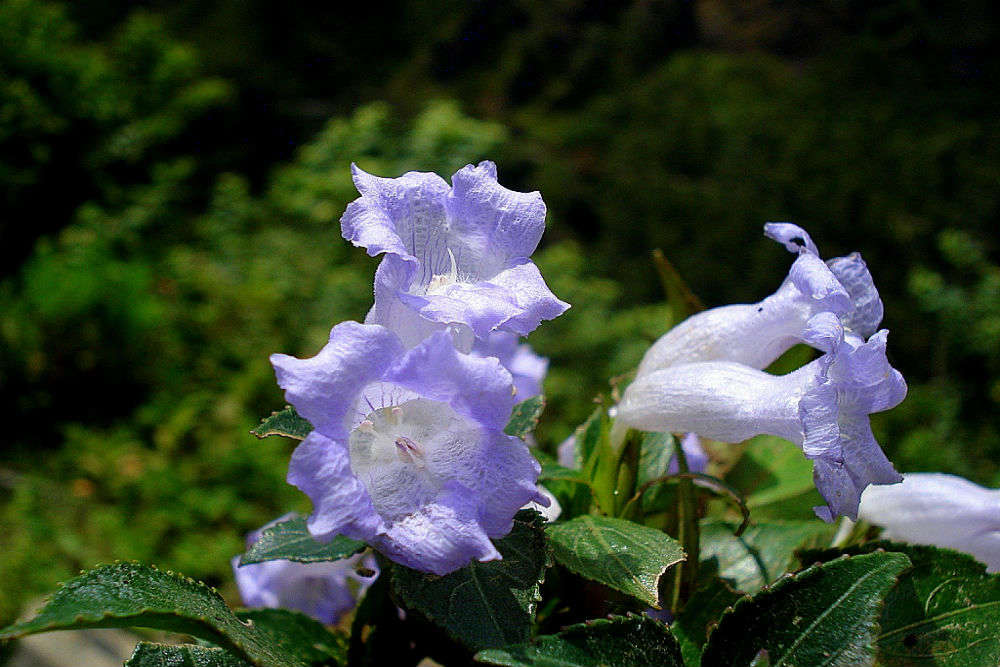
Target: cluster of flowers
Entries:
(408, 452)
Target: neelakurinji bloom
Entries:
(940, 510)
(324, 591)
(455, 256)
(757, 334)
(823, 407)
(527, 368)
(408, 451)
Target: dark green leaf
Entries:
(699, 616)
(623, 555)
(524, 418)
(290, 540)
(299, 635)
(825, 615)
(633, 641)
(285, 422)
(134, 595)
(489, 604)
(570, 487)
(761, 554)
(589, 437)
(182, 655)
(944, 611)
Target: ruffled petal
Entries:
(441, 537)
(535, 301)
(480, 389)
(510, 222)
(866, 313)
(322, 388)
(403, 216)
(321, 468)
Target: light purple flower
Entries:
(939, 510)
(408, 451)
(455, 255)
(325, 591)
(527, 368)
(757, 334)
(823, 407)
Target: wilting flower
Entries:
(823, 407)
(757, 334)
(527, 368)
(939, 510)
(455, 256)
(408, 451)
(325, 590)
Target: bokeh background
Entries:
(172, 175)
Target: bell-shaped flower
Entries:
(939, 510)
(408, 451)
(325, 591)
(455, 255)
(757, 334)
(823, 407)
(527, 368)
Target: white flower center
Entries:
(440, 281)
(404, 454)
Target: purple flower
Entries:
(757, 334)
(454, 256)
(940, 510)
(527, 368)
(408, 452)
(823, 407)
(324, 591)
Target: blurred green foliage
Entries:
(155, 255)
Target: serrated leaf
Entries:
(620, 554)
(944, 611)
(299, 635)
(484, 605)
(182, 655)
(699, 616)
(135, 595)
(291, 540)
(761, 554)
(285, 422)
(633, 641)
(824, 615)
(524, 417)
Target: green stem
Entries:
(628, 475)
(688, 534)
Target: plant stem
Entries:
(688, 534)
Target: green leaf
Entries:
(378, 635)
(484, 605)
(182, 655)
(524, 418)
(776, 480)
(632, 641)
(655, 452)
(570, 487)
(290, 540)
(299, 635)
(623, 555)
(285, 422)
(825, 615)
(135, 595)
(761, 554)
(944, 611)
(699, 616)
